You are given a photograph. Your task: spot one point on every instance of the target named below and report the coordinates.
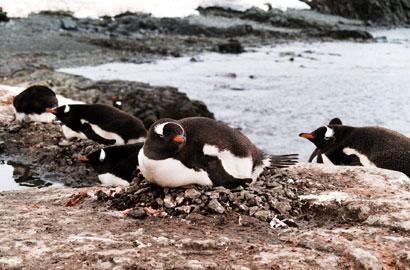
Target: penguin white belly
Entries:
(326, 160)
(69, 133)
(44, 117)
(105, 134)
(139, 140)
(364, 160)
(259, 169)
(108, 179)
(170, 172)
(238, 167)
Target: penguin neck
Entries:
(159, 152)
(335, 151)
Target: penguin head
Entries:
(116, 102)
(166, 136)
(60, 112)
(323, 137)
(96, 158)
(335, 121)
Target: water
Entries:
(17, 176)
(273, 99)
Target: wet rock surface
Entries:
(385, 12)
(90, 234)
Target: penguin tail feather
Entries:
(282, 161)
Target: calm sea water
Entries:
(274, 93)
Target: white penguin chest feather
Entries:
(108, 179)
(44, 117)
(105, 134)
(325, 159)
(365, 161)
(238, 167)
(69, 133)
(170, 172)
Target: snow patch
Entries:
(158, 8)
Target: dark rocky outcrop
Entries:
(3, 16)
(385, 12)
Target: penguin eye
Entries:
(328, 138)
(161, 135)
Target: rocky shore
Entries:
(342, 218)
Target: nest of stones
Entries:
(273, 198)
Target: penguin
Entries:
(115, 165)
(202, 151)
(363, 146)
(31, 105)
(316, 153)
(100, 123)
(116, 102)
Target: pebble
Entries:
(215, 206)
(137, 213)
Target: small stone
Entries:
(180, 199)
(253, 210)
(263, 215)
(159, 201)
(215, 206)
(185, 209)
(169, 202)
(15, 128)
(137, 213)
(192, 193)
(68, 24)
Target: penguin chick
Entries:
(115, 165)
(100, 123)
(202, 151)
(31, 105)
(363, 146)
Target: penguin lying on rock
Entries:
(363, 146)
(31, 105)
(202, 151)
(115, 165)
(316, 153)
(100, 123)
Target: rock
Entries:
(3, 16)
(68, 24)
(386, 12)
(137, 213)
(263, 215)
(216, 207)
(169, 202)
(344, 34)
(233, 46)
(192, 193)
(2, 146)
(363, 259)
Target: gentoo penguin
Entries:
(365, 146)
(202, 151)
(31, 105)
(316, 153)
(115, 165)
(100, 123)
(116, 102)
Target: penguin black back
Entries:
(35, 100)
(95, 119)
(121, 160)
(366, 146)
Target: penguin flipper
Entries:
(282, 161)
(89, 132)
(220, 177)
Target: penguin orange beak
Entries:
(179, 139)
(51, 110)
(83, 158)
(308, 136)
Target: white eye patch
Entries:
(329, 133)
(119, 103)
(102, 155)
(159, 129)
(66, 109)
